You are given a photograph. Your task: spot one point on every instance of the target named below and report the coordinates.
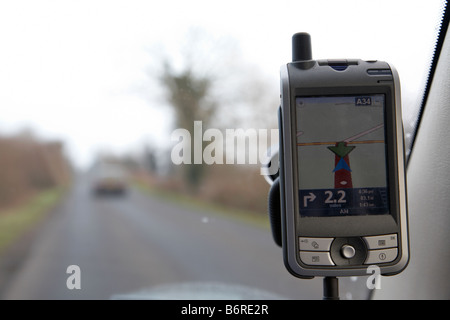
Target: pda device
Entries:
(342, 174)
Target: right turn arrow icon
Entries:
(311, 197)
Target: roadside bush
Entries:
(28, 166)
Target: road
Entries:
(139, 246)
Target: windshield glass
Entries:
(165, 91)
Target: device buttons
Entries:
(381, 242)
(348, 251)
(381, 256)
(315, 251)
(382, 249)
(316, 258)
(315, 244)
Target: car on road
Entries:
(109, 179)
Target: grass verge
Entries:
(16, 221)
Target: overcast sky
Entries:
(69, 69)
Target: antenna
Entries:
(301, 47)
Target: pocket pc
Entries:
(342, 172)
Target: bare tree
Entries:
(190, 90)
(208, 80)
(189, 95)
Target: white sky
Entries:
(69, 69)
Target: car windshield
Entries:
(182, 97)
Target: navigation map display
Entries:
(341, 155)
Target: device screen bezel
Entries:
(359, 225)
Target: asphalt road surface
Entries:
(141, 247)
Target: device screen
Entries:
(341, 153)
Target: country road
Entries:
(142, 247)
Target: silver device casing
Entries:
(289, 199)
